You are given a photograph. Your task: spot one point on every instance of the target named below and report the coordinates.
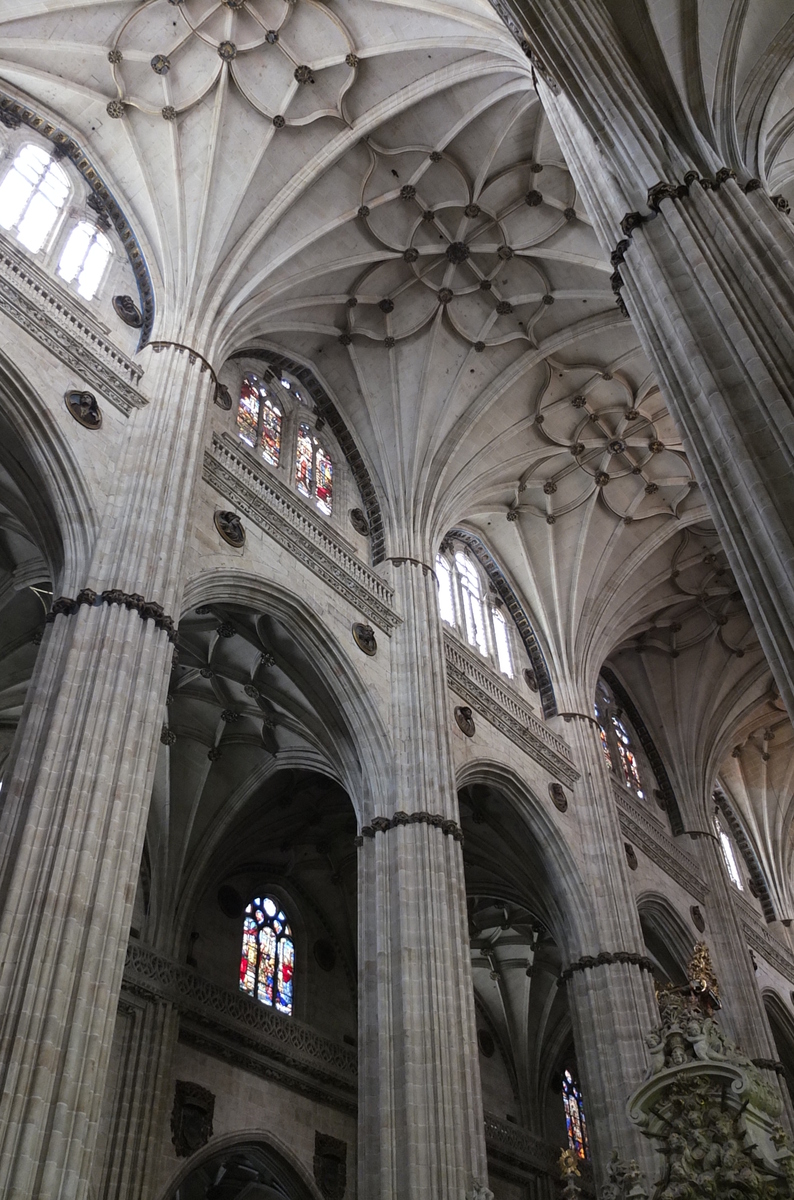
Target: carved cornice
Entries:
(18, 113)
(147, 610)
(40, 306)
(384, 824)
(778, 957)
(606, 958)
(481, 687)
(233, 1026)
(235, 474)
(645, 832)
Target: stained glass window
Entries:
(259, 419)
(304, 480)
(628, 759)
(325, 481)
(84, 258)
(502, 643)
(32, 194)
(268, 955)
(574, 1116)
(446, 602)
(472, 602)
(602, 733)
(729, 854)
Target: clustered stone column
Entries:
(702, 260)
(610, 986)
(420, 1107)
(78, 795)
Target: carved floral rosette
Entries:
(710, 1111)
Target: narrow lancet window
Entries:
(472, 602)
(446, 602)
(84, 259)
(574, 1116)
(502, 643)
(729, 854)
(268, 955)
(259, 419)
(32, 194)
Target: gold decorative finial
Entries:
(568, 1164)
(701, 972)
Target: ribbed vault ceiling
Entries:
(373, 189)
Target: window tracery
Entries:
(618, 743)
(575, 1123)
(268, 955)
(85, 258)
(32, 194)
(729, 855)
(465, 604)
(277, 420)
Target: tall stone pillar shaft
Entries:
(610, 989)
(703, 263)
(420, 1106)
(77, 800)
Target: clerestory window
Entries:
(85, 258)
(469, 605)
(268, 955)
(32, 195)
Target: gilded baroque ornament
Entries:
(293, 61)
(709, 1110)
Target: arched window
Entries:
(259, 419)
(446, 602)
(729, 854)
(603, 699)
(85, 257)
(574, 1116)
(32, 194)
(628, 759)
(502, 644)
(314, 470)
(472, 602)
(617, 740)
(268, 955)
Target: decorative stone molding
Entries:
(476, 683)
(104, 201)
(639, 828)
(512, 1144)
(384, 824)
(768, 947)
(146, 609)
(273, 508)
(589, 962)
(46, 311)
(233, 1026)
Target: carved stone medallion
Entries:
(364, 637)
(128, 311)
(230, 527)
(359, 521)
(223, 397)
(698, 920)
(631, 855)
(530, 679)
(84, 408)
(191, 1117)
(330, 1165)
(465, 720)
(558, 797)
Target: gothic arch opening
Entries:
(243, 1171)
